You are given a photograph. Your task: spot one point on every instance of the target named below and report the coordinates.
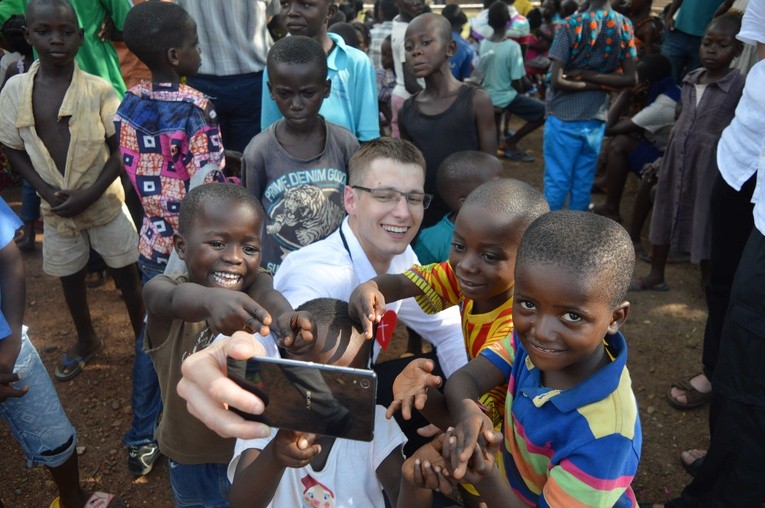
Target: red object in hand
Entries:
(385, 328)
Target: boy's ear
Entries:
(82, 37)
(349, 199)
(270, 91)
(451, 48)
(331, 11)
(328, 88)
(25, 32)
(180, 245)
(172, 56)
(618, 317)
(739, 47)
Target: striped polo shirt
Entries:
(578, 447)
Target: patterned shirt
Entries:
(599, 41)
(167, 132)
(578, 447)
(441, 290)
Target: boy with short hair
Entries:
(503, 74)
(219, 240)
(290, 468)
(447, 116)
(592, 54)
(298, 166)
(352, 101)
(57, 132)
(458, 175)
(167, 132)
(571, 432)
(406, 82)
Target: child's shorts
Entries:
(644, 153)
(115, 241)
(37, 420)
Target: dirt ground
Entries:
(664, 333)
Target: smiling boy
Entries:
(219, 240)
(571, 433)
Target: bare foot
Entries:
(688, 457)
(699, 382)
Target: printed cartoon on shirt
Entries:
(316, 495)
(305, 206)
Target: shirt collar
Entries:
(593, 389)
(26, 117)
(723, 83)
(337, 60)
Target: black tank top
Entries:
(438, 136)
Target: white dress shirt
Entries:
(326, 269)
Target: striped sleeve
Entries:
(438, 284)
(501, 354)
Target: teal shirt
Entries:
(695, 15)
(434, 243)
(504, 65)
(95, 56)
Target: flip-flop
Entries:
(96, 500)
(639, 285)
(693, 397)
(694, 467)
(76, 364)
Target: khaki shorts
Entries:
(115, 241)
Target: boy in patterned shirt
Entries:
(572, 433)
(592, 54)
(168, 133)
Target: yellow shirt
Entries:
(90, 103)
(523, 6)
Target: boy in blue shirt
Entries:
(592, 54)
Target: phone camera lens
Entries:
(364, 383)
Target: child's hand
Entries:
(463, 440)
(71, 202)
(580, 74)
(233, 167)
(650, 170)
(426, 468)
(367, 306)
(231, 311)
(482, 462)
(6, 386)
(294, 449)
(411, 386)
(297, 332)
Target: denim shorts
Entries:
(199, 485)
(37, 420)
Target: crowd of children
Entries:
(534, 406)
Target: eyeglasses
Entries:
(391, 196)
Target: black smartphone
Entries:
(310, 397)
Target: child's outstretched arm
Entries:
(296, 330)
(422, 473)
(259, 471)
(462, 391)
(72, 202)
(13, 289)
(415, 386)
(367, 302)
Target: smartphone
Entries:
(310, 397)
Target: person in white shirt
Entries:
(731, 472)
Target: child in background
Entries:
(289, 468)
(461, 62)
(406, 82)
(710, 95)
(33, 411)
(572, 434)
(218, 238)
(517, 26)
(13, 36)
(458, 175)
(352, 101)
(592, 54)
(503, 72)
(447, 116)
(386, 81)
(649, 29)
(298, 167)
(167, 133)
(74, 166)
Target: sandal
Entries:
(641, 285)
(693, 397)
(96, 500)
(693, 468)
(69, 368)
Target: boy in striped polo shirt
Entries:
(572, 433)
